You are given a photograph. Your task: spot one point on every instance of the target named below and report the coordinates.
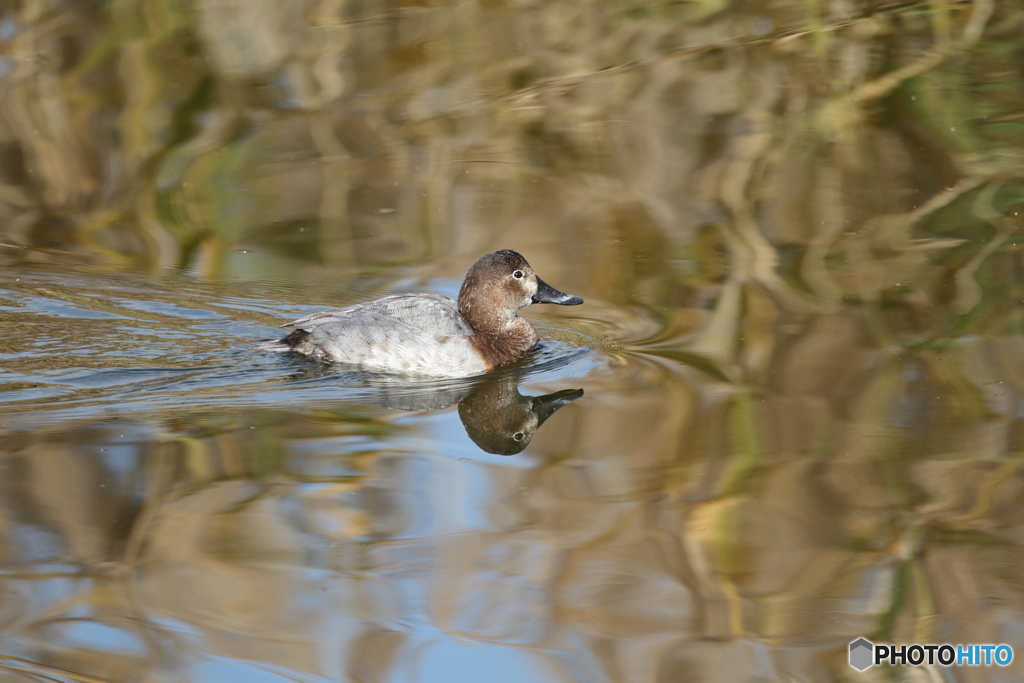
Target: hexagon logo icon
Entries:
(861, 651)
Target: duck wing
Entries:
(364, 337)
(433, 314)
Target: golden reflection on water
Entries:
(796, 227)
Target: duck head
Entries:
(498, 285)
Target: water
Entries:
(788, 415)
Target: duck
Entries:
(431, 334)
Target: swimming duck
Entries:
(430, 334)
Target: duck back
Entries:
(408, 333)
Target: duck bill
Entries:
(545, 406)
(546, 294)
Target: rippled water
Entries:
(789, 414)
(100, 344)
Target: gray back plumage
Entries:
(432, 314)
(418, 333)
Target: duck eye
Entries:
(518, 436)
(518, 275)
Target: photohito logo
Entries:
(864, 653)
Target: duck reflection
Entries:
(496, 416)
(502, 421)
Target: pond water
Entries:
(790, 413)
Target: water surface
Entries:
(789, 414)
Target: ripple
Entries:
(72, 350)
